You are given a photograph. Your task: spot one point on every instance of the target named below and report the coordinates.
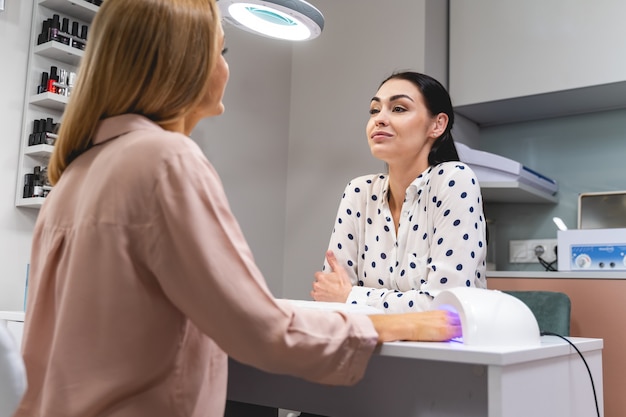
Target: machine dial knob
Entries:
(584, 261)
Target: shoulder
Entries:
(137, 148)
(165, 143)
(366, 185)
(138, 136)
(453, 171)
(368, 181)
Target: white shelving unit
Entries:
(45, 105)
(514, 192)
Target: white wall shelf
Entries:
(39, 151)
(49, 100)
(60, 52)
(80, 9)
(514, 192)
(32, 202)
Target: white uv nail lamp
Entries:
(490, 317)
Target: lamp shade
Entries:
(294, 20)
(491, 317)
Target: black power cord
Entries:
(549, 266)
(593, 386)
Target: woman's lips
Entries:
(380, 136)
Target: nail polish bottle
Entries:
(44, 179)
(32, 138)
(37, 187)
(45, 32)
(62, 82)
(37, 183)
(83, 35)
(29, 180)
(40, 136)
(49, 128)
(75, 39)
(65, 31)
(43, 87)
(55, 27)
(53, 79)
(71, 80)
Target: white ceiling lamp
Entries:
(294, 20)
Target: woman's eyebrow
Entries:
(394, 98)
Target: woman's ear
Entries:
(440, 123)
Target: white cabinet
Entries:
(43, 107)
(521, 60)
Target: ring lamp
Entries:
(294, 20)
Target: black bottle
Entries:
(55, 28)
(76, 42)
(64, 34)
(32, 138)
(82, 38)
(44, 36)
(43, 87)
(29, 182)
(40, 136)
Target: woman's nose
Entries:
(381, 119)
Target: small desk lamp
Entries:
(490, 317)
(294, 20)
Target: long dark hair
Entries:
(437, 100)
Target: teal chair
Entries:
(551, 309)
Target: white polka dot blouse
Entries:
(440, 242)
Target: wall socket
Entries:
(525, 251)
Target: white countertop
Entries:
(551, 346)
(557, 275)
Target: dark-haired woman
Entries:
(403, 236)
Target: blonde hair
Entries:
(148, 57)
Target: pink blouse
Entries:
(142, 282)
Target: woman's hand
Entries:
(332, 286)
(426, 326)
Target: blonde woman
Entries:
(138, 265)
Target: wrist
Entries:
(390, 328)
